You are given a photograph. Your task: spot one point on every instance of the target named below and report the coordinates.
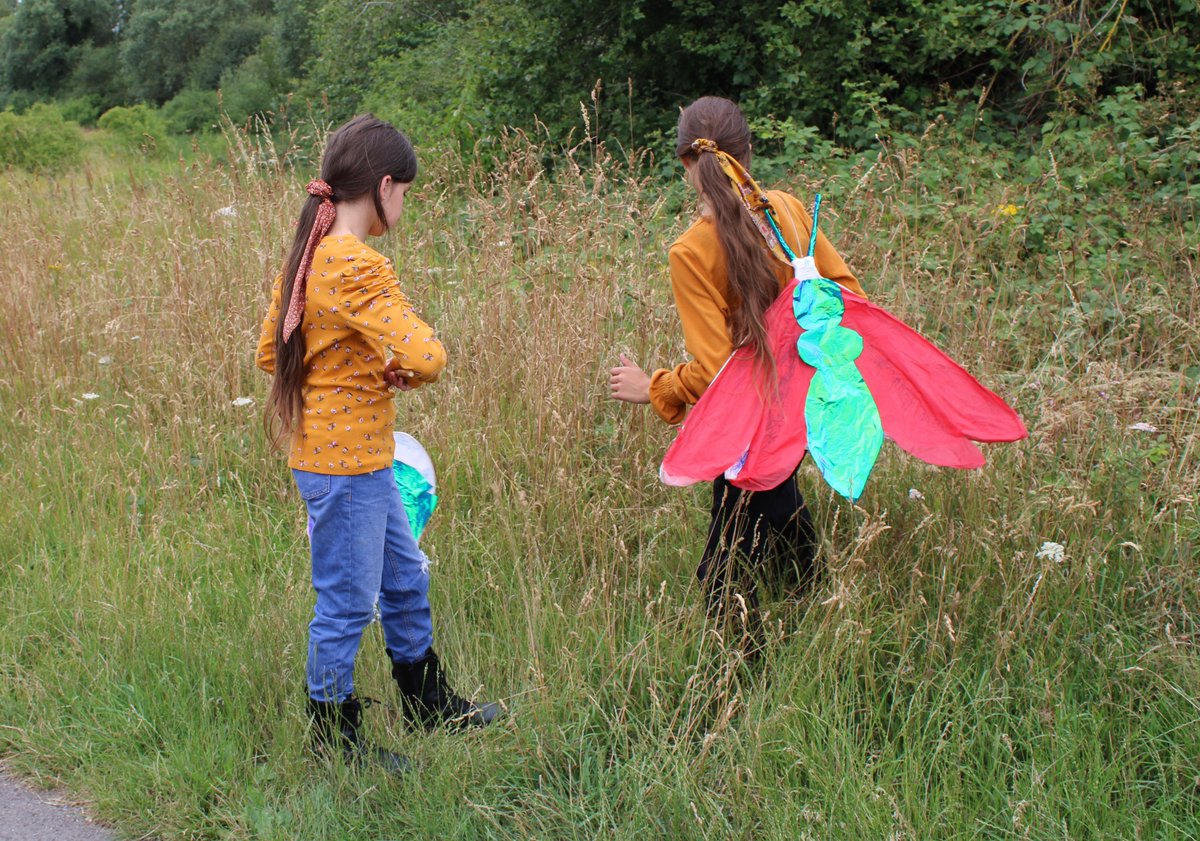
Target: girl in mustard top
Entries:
(723, 279)
(339, 336)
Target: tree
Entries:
(44, 40)
(352, 39)
(168, 44)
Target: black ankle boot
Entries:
(337, 725)
(429, 701)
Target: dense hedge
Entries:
(848, 71)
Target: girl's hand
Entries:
(629, 383)
(397, 376)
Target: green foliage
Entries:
(85, 109)
(786, 145)
(168, 44)
(38, 140)
(234, 42)
(97, 72)
(192, 110)
(455, 71)
(47, 39)
(1129, 147)
(429, 89)
(292, 31)
(252, 88)
(853, 71)
(137, 127)
(354, 45)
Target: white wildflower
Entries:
(90, 395)
(105, 360)
(243, 401)
(913, 493)
(229, 211)
(1054, 551)
(1143, 427)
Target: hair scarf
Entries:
(326, 212)
(753, 197)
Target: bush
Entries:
(38, 140)
(84, 110)
(139, 127)
(192, 110)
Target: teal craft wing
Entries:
(416, 480)
(418, 497)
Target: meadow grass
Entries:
(946, 678)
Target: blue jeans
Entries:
(362, 550)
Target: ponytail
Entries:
(285, 401)
(749, 266)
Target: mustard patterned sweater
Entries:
(354, 317)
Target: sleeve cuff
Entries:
(664, 399)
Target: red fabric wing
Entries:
(732, 420)
(781, 440)
(928, 404)
(718, 429)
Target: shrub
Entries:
(38, 140)
(84, 110)
(246, 91)
(192, 110)
(139, 127)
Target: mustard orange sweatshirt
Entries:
(701, 290)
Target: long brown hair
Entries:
(357, 157)
(750, 268)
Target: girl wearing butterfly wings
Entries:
(788, 358)
(723, 281)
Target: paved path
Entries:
(30, 815)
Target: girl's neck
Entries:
(356, 218)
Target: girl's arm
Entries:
(383, 313)
(265, 357)
(702, 312)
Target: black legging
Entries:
(756, 535)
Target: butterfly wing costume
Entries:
(848, 374)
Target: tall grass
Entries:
(948, 677)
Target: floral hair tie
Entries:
(702, 144)
(320, 189)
